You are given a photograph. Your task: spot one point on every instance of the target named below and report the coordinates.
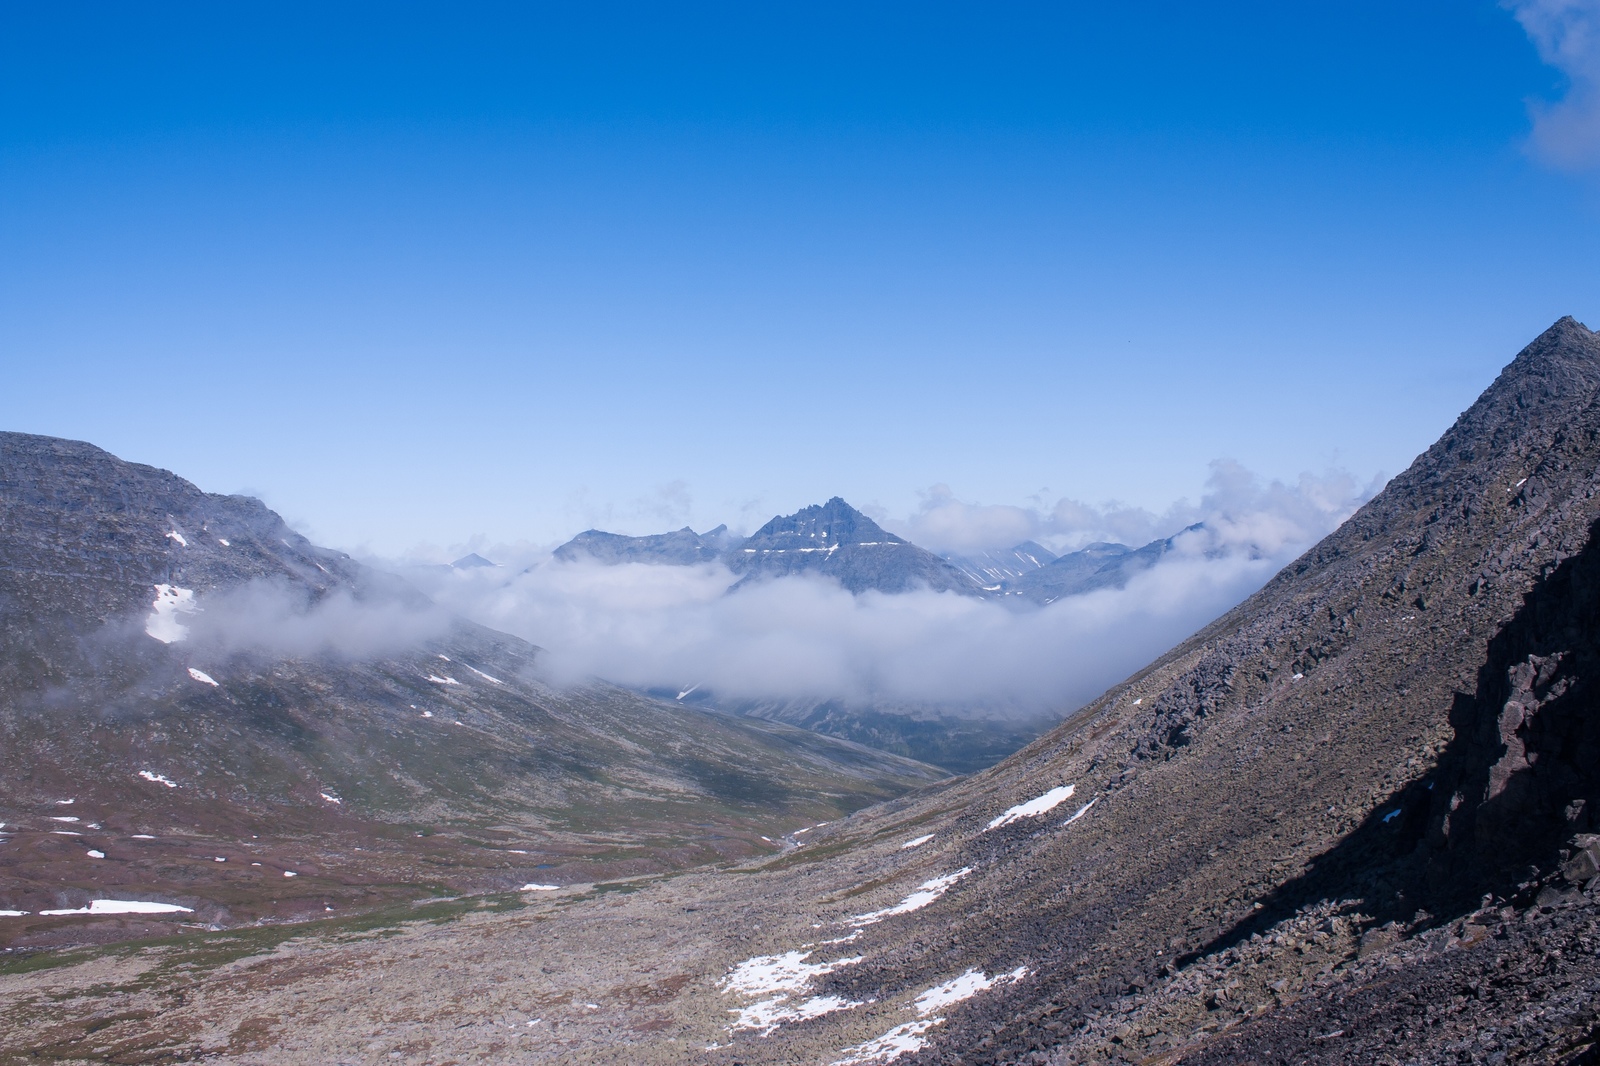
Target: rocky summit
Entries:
(837, 541)
(1351, 821)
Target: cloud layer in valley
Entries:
(808, 638)
(275, 619)
(1236, 504)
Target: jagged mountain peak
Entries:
(834, 522)
(835, 540)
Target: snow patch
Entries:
(224, 542)
(202, 677)
(330, 797)
(779, 979)
(531, 887)
(901, 1040)
(1034, 807)
(442, 680)
(12, 914)
(97, 854)
(124, 906)
(64, 818)
(925, 894)
(170, 601)
(1081, 811)
(158, 779)
(175, 535)
(917, 843)
(290, 873)
(483, 675)
(789, 972)
(767, 1015)
(962, 988)
(909, 1037)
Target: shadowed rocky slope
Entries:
(1350, 821)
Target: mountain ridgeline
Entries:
(835, 541)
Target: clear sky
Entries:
(414, 273)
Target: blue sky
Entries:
(415, 274)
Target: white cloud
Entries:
(1237, 506)
(807, 637)
(1566, 33)
(272, 618)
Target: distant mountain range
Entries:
(835, 540)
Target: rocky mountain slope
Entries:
(1353, 820)
(198, 706)
(682, 547)
(835, 540)
(992, 569)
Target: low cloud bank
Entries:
(275, 619)
(808, 638)
(1245, 511)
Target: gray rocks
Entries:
(837, 541)
(683, 547)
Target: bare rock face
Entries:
(682, 547)
(837, 541)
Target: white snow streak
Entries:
(925, 894)
(917, 843)
(124, 906)
(1081, 811)
(962, 988)
(202, 677)
(443, 680)
(158, 779)
(531, 887)
(901, 1040)
(767, 1015)
(909, 1037)
(1034, 807)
